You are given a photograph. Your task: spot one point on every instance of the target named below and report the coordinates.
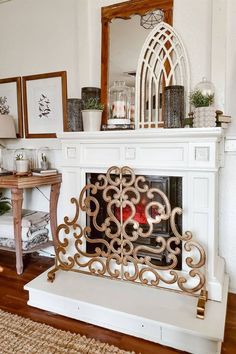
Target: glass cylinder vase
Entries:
(119, 103)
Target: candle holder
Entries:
(119, 104)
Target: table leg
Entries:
(17, 199)
(54, 195)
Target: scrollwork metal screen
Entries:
(116, 254)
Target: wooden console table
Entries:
(17, 185)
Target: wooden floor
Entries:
(14, 299)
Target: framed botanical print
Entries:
(45, 104)
(11, 101)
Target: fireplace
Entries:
(171, 187)
(185, 165)
(192, 157)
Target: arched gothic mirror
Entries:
(125, 27)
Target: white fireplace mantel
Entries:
(196, 155)
(187, 133)
(179, 149)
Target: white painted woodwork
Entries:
(163, 58)
(230, 144)
(157, 315)
(193, 154)
(196, 156)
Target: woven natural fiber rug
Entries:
(19, 335)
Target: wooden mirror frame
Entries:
(124, 11)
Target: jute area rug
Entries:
(19, 335)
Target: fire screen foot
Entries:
(52, 275)
(203, 297)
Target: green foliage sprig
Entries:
(93, 104)
(197, 99)
(19, 157)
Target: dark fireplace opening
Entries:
(172, 187)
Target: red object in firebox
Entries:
(139, 216)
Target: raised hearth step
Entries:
(161, 316)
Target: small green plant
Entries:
(5, 204)
(94, 104)
(197, 99)
(19, 157)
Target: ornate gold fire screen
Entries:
(114, 251)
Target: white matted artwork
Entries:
(11, 101)
(45, 97)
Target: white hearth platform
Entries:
(161, 316)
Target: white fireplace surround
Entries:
(193, 154)
(196, 155)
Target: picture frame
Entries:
(10, 91)
(45, 104)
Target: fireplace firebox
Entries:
(171, 186)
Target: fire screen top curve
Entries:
(129, 203)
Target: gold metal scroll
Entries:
(115, 254)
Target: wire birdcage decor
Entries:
(150, 20)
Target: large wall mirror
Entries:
(125, 26)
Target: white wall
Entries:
(48, 35)
(192, 20)
(228, 176)
(227, 216)
(39, 37)
(230, 87)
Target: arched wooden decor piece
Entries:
(163, 61)
(124, 11)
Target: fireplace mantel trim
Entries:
(132, 135)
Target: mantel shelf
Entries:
(141, 134)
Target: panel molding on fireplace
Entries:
(193, 154)
(180, 148)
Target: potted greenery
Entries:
(204, 112)
(22, 165)
(92, 114)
